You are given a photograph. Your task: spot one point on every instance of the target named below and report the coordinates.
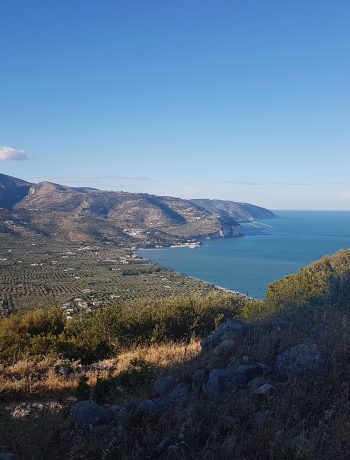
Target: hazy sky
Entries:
(246, 100)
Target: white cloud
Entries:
(11, 154)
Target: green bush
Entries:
(32, 334)
(95, 336)
(322, 285)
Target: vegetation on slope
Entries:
(302, 418)
(322, 285)
(105, 332)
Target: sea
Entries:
(270, 250)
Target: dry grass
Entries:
(49, 378)
(316, 408)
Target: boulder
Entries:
(231, 380)
(89, 413)
(301, 361)
(164, 385)
(224, 348)
(231, 330)
(180, 396)
(147, 407)
(256, 383)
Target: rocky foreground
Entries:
(217, 377)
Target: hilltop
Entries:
(241, 212)
(87, 214)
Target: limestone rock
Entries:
(301, 360)
(89, 413)
(164, 385)
(231, 380)
(230, 330)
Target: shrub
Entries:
(32, 334)
(95, 336)
(322, 285)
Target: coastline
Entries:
(217, 286)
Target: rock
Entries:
(230, 380)
(301, 360)
(180, 396)
(224, 348)
(265, 390)
(256, 383)
(229, 330)
(248, 372)
(199, 376)
(8, 456)
(164, 385)
(89, 413)
(227, 423)
(147, 407)
(263, 416)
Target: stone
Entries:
(230, 380)
(89, 413)
(180, 396)
(301, 361)
(265, 390)
(248, 372)
(164, 385)
(229, 330)
(224, 348)
(256, 383)
(147, 407)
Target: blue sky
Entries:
(246, 100)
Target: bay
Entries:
(271, 249)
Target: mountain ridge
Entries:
(241, 212)
(89, 214)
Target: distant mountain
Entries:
(86, 214)
(241, 212)
(12, 190)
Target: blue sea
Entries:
(271, 249)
